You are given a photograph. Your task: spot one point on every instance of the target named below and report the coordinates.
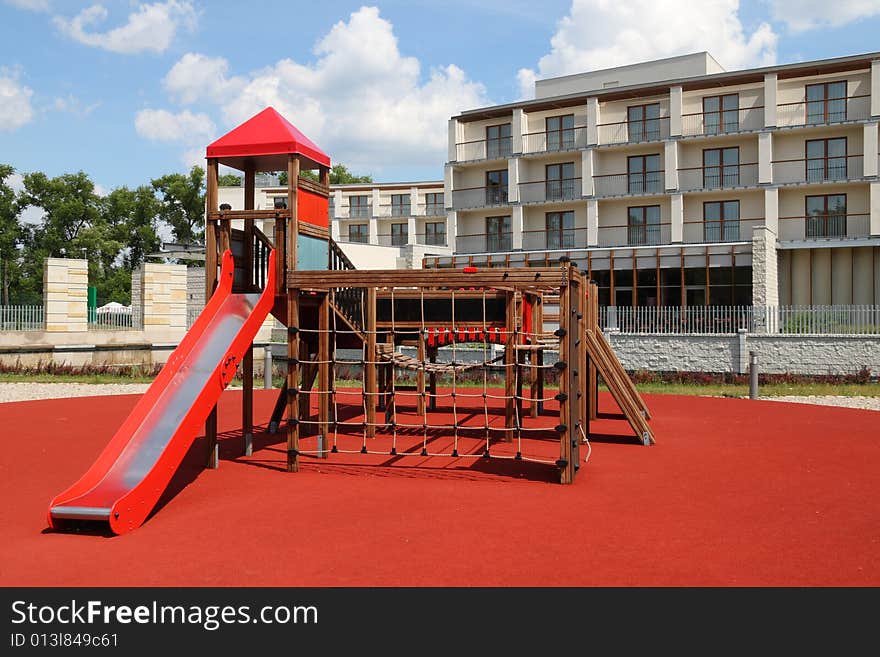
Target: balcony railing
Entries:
(823, 112)
(818, 170)
(634, 132)
(430, 210)
(393, 210)
(479, 197)
(484, 243)
(720, 123)
(545, 191)
(696, 231)
(718, 177)
(357, 211)
(483, 149)
(624, 184)
(635, 235)
(555, 140)
(554, 240)
(392, 239)
(353, 239)
(828, 226)
(431, 239)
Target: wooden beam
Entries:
(324, 382)
(292, 382)
(247, 397)
(565, 392)
(547, 279)
(511, 364)
(293, 223)
(370, 358)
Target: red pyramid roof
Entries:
(264, 138)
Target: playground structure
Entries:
(491, 405)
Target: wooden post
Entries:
(247, 397)
(584, 378)
(324, 373)
(538, 315)
(592, 372)
(565, 391)
(292, 380)
(432, 380)
(370, 387)
(293, 224)
(535, 372)
(510, 363)
(420, 378)
(210, 283)
(575, 374)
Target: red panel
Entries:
(312, 208)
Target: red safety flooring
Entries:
(735, 493)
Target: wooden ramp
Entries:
(619, 384)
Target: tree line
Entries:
(114, 232)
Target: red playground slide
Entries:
(128, 477)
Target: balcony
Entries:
(634, 132)
(479, 197)
(547, 191)
(431, 239)
(394, 210)
(554, 240)
(823, 112)
(484, 243)
(729, 176)
(483, 149)
(431, 210)
(358, 212)
(817, 227)
(554, 141)
(635, 235)
(697, 231)
(629, 184)
(723, 123)
(393, 239)
(819, 170)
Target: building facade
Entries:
(676, 183)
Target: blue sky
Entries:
(128, 90)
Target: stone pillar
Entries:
(592, 121)
(770, 100)
(676, 218)
(587, 172)
(675, 111)
(516, 227)
(518, 128)
(670, 164)
(65, 294)
(164, 298)
(513, 180)
(592, 222)
(765, 277)
(742, 364)
(771, 209)
(869, 148)
(875, 87)
(765, 157)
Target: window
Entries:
(826, 102)
(399, 234)
(496, 187)
(826, 216)
(400, 205)
(435, 233)
(644, 174)
(560, 132)
(720, 167)
(643, 122)
(721, 221)
(331, 206)
(498, 141)
(643, 225)
(359, 206)
(498, 236)
(560, 182)
(720, 114)
(826, 159)
(434, 204)
(560, 230)
(279, 202)
(359, 233)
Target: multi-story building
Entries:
(378, 225)
(675, 182)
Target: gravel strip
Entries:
(865, 403)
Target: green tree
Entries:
(230, 180)
(339, 175)
(182, 204)
(10, 234)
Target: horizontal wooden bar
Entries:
(530, 279)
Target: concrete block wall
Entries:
(164, 297)
(65, 295)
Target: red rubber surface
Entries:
(735, 493)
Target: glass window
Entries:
(399, 234)
(560, 230)
(434, 204)
(560, 182)
(359, 206)
(826, 216)
(720, 114)
(498, 141)
(826, 102)
(720, 167)
(498, 236)
(435, 233)
(721, 221)
(644, 175)
(560, 132)
(643, 225)
(358, 233)
(826, 159)
(400, 205)
(643, 122)
(496, 187)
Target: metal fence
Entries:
(22, 318)
(789, 320)
(125, 318)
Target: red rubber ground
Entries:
(735, 493)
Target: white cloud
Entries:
(152, 26)
(30, 5)
(15, 102)
(600, 34)
(162, 125)
(74, 105)
(801, 15)
(361, 99)
(31, 214)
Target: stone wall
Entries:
(65, 295)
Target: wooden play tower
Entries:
(402, 322)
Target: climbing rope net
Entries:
(475, 413)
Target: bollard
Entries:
(753, 375)
(267, 367)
